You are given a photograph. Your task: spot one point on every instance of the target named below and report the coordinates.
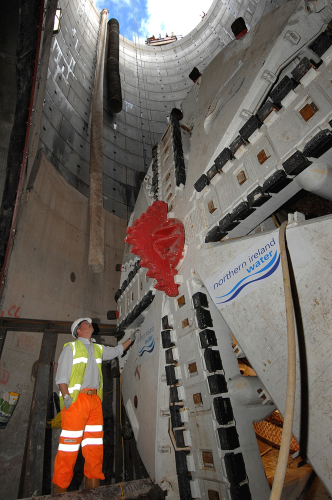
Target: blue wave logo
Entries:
(147, 348)
(270, 268)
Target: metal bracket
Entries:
(268, 76)
(292, 37)
(245, 114)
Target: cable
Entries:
(121, 491)
(280, 473)
(109, 392)
(123, 461)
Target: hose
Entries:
(114, 95)
(280, 473)
(96, 257)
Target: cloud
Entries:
(99, 4)
(109, 4)
(175, 16)
(154, 17)
(122, 10)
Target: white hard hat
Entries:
(76, 324)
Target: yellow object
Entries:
(80, 360)
(121, 491)
(14, 395)
(8, 401)
(55, 423)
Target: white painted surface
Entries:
(317, 179)
(228, 93)
(258, 323)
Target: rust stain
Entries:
(320, 171)
(308, 111)
(241, 177)
(262, 157)
(192, 367)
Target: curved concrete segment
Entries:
(153, 79)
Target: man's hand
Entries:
(131, 339)
(133, 335)
(67, 401)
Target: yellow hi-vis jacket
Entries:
(80, 360)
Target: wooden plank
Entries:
(131, 490)
(41, 325)
(32, 471)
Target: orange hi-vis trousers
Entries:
(82, 424)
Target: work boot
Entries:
(91, 483)
(58, 489)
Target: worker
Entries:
(79, 378)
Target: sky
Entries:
(154, 17)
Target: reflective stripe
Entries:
(79, 360)
(98, 360)
(74, 434)
(77, 387)
(92, 441)
(74, 348)
(68, 447)
(93, 428)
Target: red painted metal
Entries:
(159, 242)
(240, 35)
(24, 156)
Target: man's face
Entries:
(85, 328)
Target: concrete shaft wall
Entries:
(48, 276)
(153, 79)
(8, 43)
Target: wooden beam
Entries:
(32, 470)
(131, 490)
(41, 325)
